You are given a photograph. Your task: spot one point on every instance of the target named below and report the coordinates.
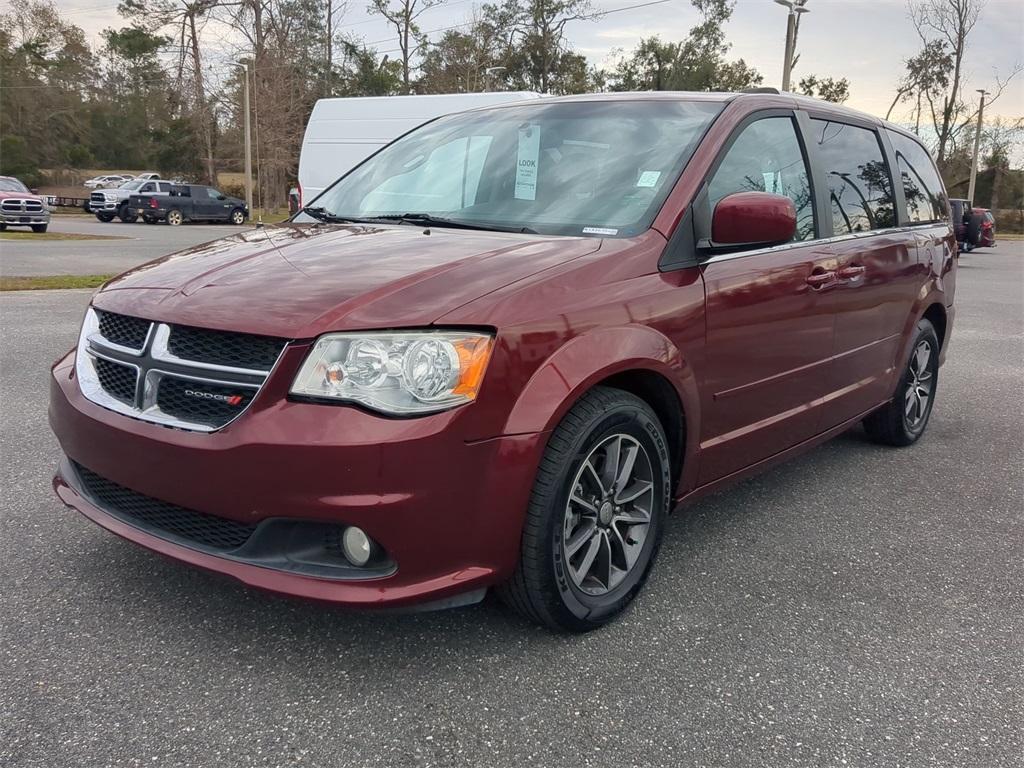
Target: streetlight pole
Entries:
(795, 7)
(248, 134)
(489, 74)
(977, 146)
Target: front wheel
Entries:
(238, 217)
(106, 218)
(903, 420)
(39, 228)
(595, 516)
(174, 217)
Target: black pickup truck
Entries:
(190, 202)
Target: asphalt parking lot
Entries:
(141, 243)
(858, 606)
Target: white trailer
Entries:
(343, 132)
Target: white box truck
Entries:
(343, 132)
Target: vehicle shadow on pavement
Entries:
(687, 582)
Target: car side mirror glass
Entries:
(34, 191)
(222, 197)
(752, 219)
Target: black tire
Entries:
(127, 214)
(237, 217)
(150, 220)
(902, 421)
(175, 217)
(543, 588)
(39, 228)
(3, 227)
(106, 218)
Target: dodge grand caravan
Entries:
(499, 351)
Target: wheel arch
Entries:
(634, 358)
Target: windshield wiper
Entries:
(427, 220)
(322, 214)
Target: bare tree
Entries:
(402, 15)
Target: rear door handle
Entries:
(852, 272)
(819, 279)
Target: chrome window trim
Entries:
(820, 241)
(149, 373)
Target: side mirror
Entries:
(222, 197)
(752, 219)
(34, 191)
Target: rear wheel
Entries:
(174, 217)
(903, 420)
(595, 516)
(127, 214)
(106, 218)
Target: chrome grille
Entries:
(19, 205)
(131, 366)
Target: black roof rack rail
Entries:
(762, 89)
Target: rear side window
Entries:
(922, 186)
(860, 189)
(766, 157)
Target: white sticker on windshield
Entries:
(648, 178)
(526, 162)
(599, 231)
(772, 183)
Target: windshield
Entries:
(133, 185)
(580, 168)
(12, 185)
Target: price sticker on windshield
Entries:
(526, 162)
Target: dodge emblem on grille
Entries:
(229, 399)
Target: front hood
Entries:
(298, 281)
(4, 195)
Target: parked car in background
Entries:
(189, 202)
(21, 207)
(344, 131)
(108, 203)
(967, 223)
(987, 238)
(103, 182)
(148, 176)
(501, 350)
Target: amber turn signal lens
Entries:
(473, 356)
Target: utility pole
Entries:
(977, 146)
(330, 47)
(795, 7)
(248, 134)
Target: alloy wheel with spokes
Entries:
(237, 217)
(917, 397)
(608, 514)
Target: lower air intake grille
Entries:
(160, 517)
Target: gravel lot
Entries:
(858, 606)
(100, 257)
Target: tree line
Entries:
(162, 90)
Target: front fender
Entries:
(592, 357)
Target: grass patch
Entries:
(51, 282)
(1008, 236)
(8, 235)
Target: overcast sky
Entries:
(865, 41)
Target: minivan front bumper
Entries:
(448, 513)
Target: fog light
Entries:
(357, 546)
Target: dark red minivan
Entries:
(502, 349)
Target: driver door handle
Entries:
(818, 279)
(852, 272)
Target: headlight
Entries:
(398, 373)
